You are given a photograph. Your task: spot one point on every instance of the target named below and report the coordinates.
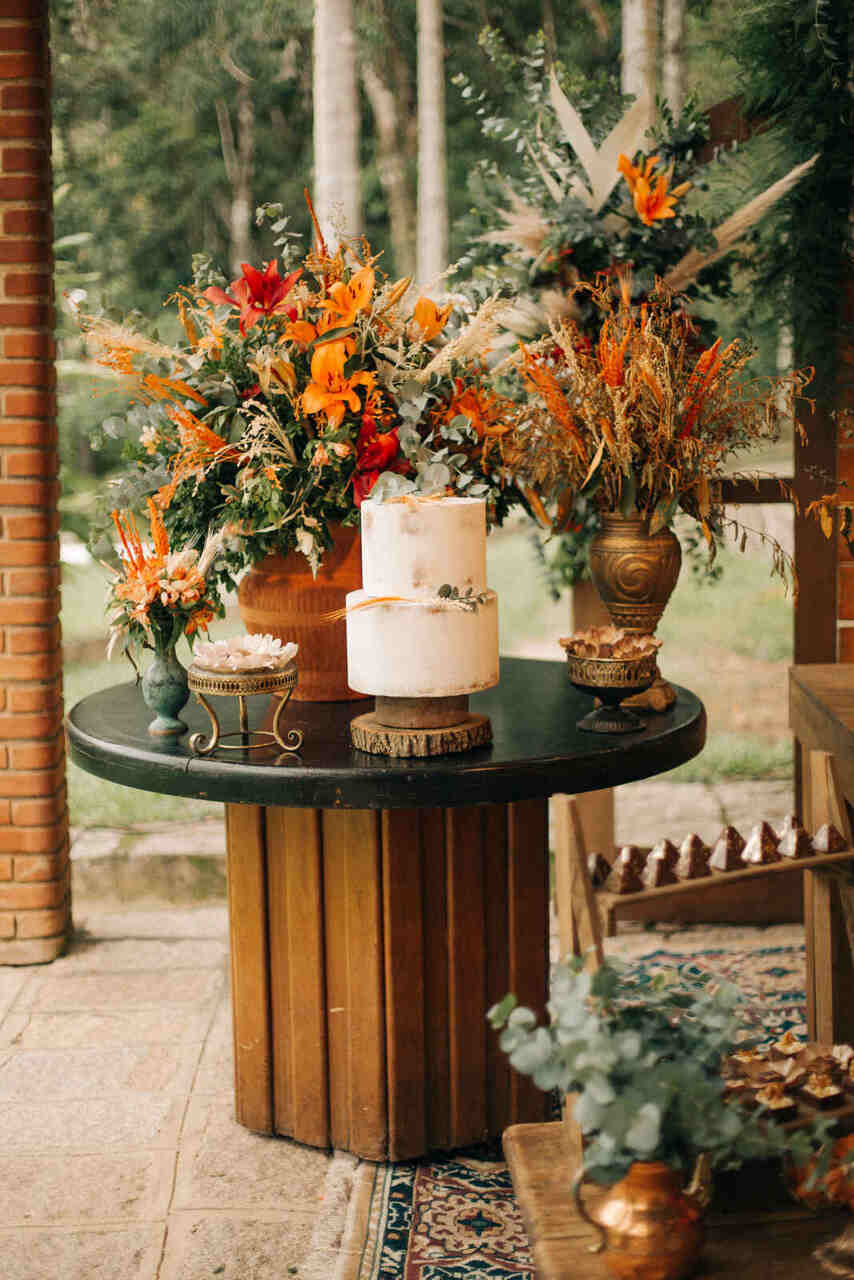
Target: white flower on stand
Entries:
(244, 653)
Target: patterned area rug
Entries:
(454, 1216)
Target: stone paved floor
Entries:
(121, 1159)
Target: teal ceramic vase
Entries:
(165, 691)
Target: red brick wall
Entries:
(34, 868)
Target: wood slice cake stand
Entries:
(420, 727)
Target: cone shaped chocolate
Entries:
(761, 848)
(667, 850)
(658, 870)
(726, 855)
(795, 843)
(598, 868)
(828, 840)
(625, 873)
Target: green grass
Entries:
(735, 757)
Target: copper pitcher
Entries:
(650, 1227)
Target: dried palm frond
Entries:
(524, 228)
(734, 228)
(599, 165)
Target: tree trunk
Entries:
(432, 178)
(337, 188)
(238, 155)
(639, 72)
(390, 119)
(672, 68)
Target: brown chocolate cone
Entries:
(598, 868)
(761, 848)
(790, 823)
(625, 873)
(658, 870)
(726, 855)
(693, 861)
(828, 840)
(795, 843)
(666, 849)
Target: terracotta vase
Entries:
(280, 596)
(651, 1228)
(634, 571)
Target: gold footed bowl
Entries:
(650, 1228)
(611, 680)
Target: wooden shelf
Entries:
(784, 866)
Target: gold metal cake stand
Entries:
(241, 685)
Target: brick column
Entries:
(34, 867)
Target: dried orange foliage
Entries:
(645, 418)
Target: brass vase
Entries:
(633, 570)
(650, 1228)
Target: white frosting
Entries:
(413, 546)
(421, 650)
(422, 646)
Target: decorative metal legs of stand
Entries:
(242, 685)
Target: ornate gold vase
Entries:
(634, 571)
(651, 1228)
(279, 596)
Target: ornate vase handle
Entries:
(583, 1214)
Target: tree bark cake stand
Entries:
(420, 727)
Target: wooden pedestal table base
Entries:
(366, 948)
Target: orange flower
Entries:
(329, 391)
(346, 299)
(428, 320)
(302, 332)
(200, 446)
(650, 191)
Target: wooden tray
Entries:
(756, 1244)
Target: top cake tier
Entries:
(411, 546)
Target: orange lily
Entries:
(650, 190)
(302, 332)
(428, 320)
(346, 299)
(329, 391)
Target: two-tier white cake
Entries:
(423, 644)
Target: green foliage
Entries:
(644, 1058)
(796, 59)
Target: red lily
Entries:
(256, 293)
(375, 453)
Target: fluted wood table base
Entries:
(366, 947)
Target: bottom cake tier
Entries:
(421, 649)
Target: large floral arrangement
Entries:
(643, 418)
(598, 189)
(291, 393)
(157, 595)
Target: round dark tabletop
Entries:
(536, 749)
